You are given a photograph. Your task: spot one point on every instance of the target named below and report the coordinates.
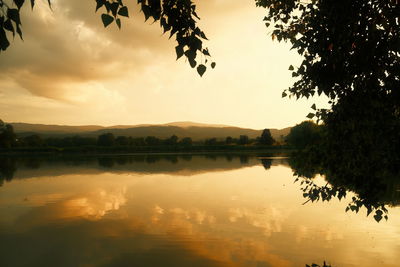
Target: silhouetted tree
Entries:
(138, 141)
(351, 54)
(106, 139)
(84, 141)
(186, 141)
(243, 140)
(7, 135)
(304, 134)
(122, 141)
(33, 140)
(70, 141)
(173, 140)
(211, 141)
(228, 140)
(266, 138)
(152, 141)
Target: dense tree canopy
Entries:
(304, 134)
(351, 53)
(346, 45)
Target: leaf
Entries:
(192, 62)
(19, 31)
(213, 64)
(179, 51)
(123, 11)
(107, 5)
(378, 217)
(99, 4)
(164, 24)
(118, 21)
(202, 35)
(314, 107)
(201, 69)
(8, 26)
(205, 52)
(146, 11)
(107, 19)
(284, 94)
(19, 3)
(310, 115)
(114, 8)
(4, 43)
(291, 67)
(13, 14)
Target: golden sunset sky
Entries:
(70, 70)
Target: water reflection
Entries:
(7, 169)
(178, 211)
(185, 164)
(375, 191)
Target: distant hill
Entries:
(53, 129)
(197, 131)
(186, 124)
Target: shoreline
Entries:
(116, 151)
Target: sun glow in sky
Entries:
(70, 70)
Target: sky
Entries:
(69, 70)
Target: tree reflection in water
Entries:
(371, 192)
(316, 265)
(374, 188)
(7, 169)
(135, 163)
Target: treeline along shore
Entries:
(11, 143)
(300, 136)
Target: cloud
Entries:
(68, 47)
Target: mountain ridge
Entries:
(197, 131)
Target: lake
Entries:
(180, 210)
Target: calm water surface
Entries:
(179, 211)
